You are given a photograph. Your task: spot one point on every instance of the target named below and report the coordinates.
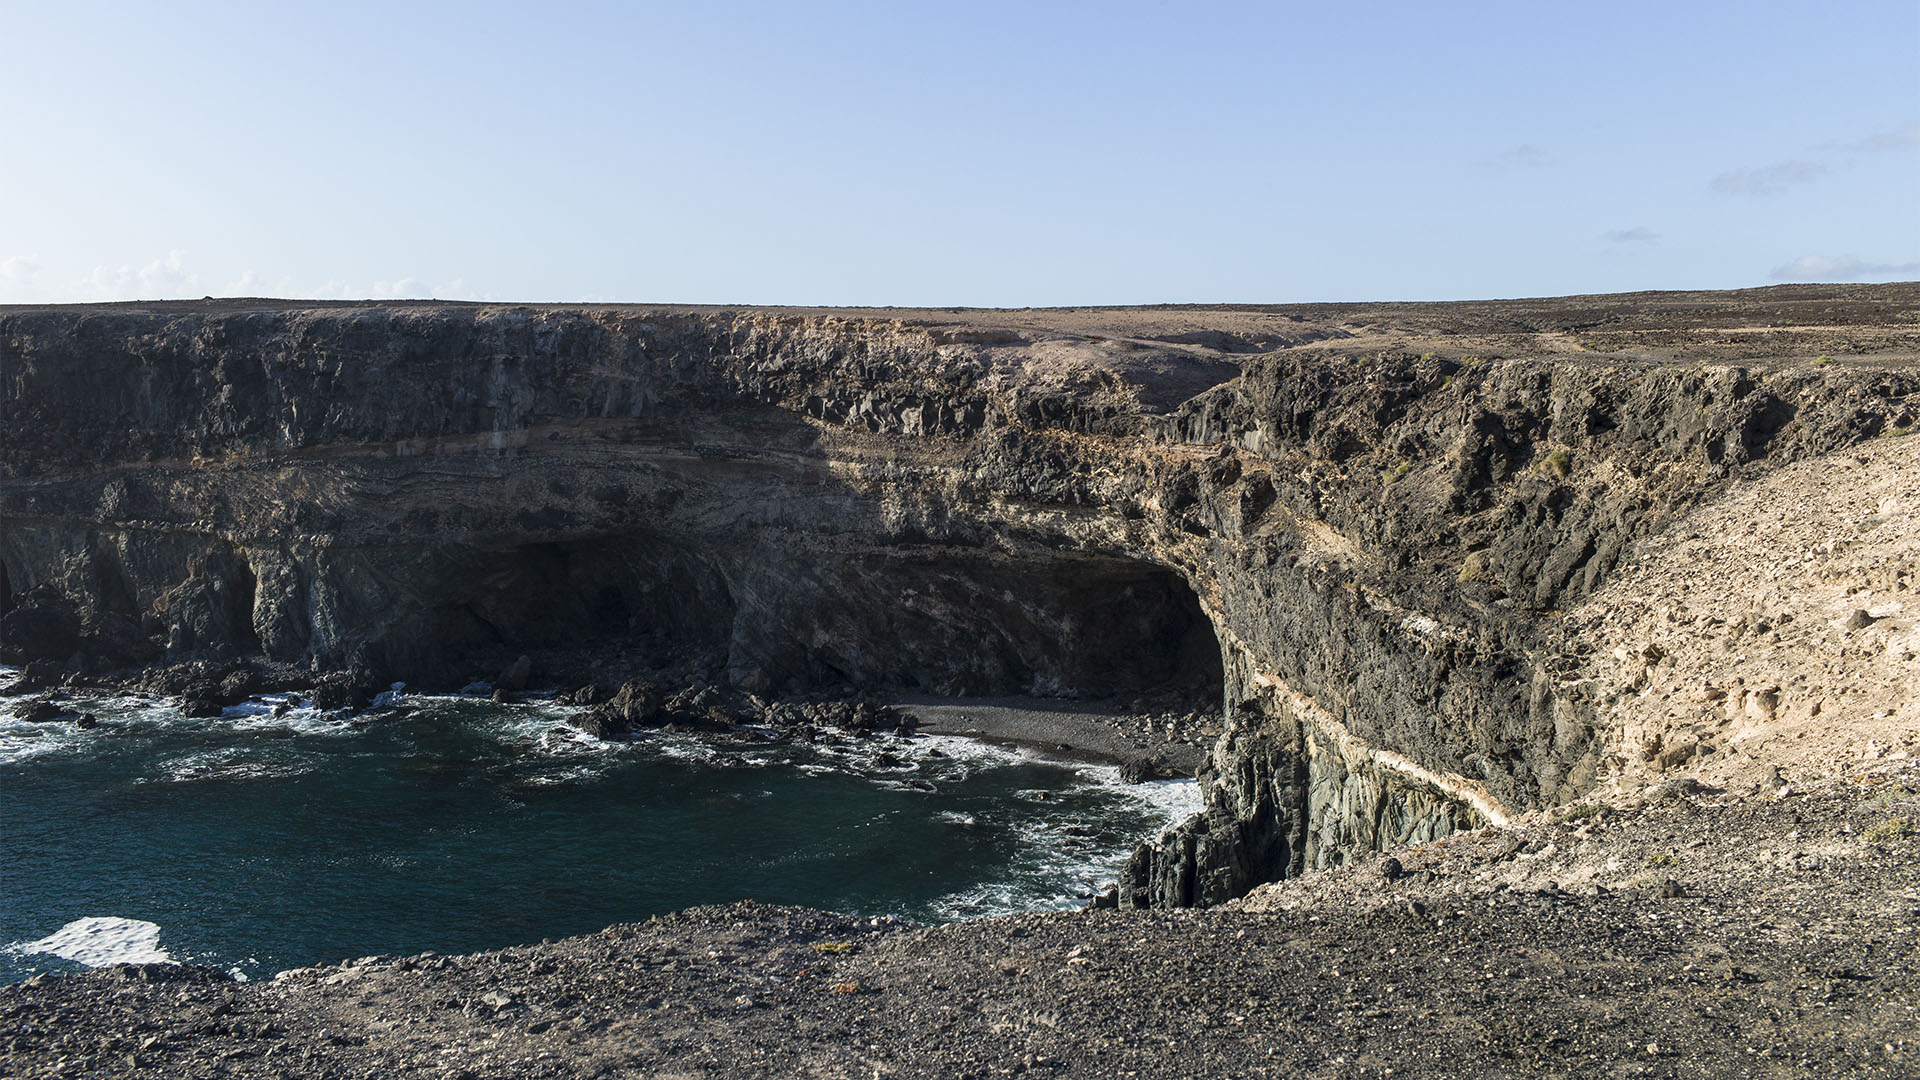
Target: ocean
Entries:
(258, 842)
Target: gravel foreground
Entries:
(1682, 933)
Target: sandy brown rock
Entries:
(1770, 631)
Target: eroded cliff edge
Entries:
(1364, 521)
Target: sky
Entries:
(948, 154)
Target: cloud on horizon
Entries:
(26, 279)
(1905, 137)
(161, 279)
(20, 268)
(1524, 156)
(1771, 180)
(1841, 268)
(1639, 234)
(1781, 176)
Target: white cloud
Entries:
(21, 269)
(406, 288)
(1841, 268)
(1639, 234)
(1905, 137)
(169, 276)
(1771, 180)
(250, 283)
(1777, 178)
(26, 279)
(164, 278)
(1524, 156)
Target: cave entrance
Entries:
(785, 618)
(1099, 627)
(967, 623)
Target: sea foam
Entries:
(99, 940)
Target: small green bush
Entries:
(1889, 797)
(1557, 462)
(1823, 360)
(1891, 829)
(1654, 862)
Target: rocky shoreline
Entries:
(1680, 932)
(1150, 738)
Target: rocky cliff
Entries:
(1363, 524)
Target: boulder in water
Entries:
(601, 723)
(590, 694)
(1142, 770)
(201, 705)
(44, 711)
(38, 675)
(344, 690)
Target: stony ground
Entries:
(1771, 633)
(1684, 932)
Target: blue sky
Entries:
(954, 154)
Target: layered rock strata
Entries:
(1363, 524)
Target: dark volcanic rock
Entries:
(38, 675)
(43, 711)
(42, 627)
(590, 694)
(516, 675)
(345, 690)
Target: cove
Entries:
(257, 842)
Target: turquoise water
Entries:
(258, 843)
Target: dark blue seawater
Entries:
(259, 843)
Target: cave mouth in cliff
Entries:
(952, 621)
(959, 623)
(1125, 626)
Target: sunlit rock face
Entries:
(1359, 525)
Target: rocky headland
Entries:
(1603, 566)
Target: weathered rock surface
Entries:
(1365, 524)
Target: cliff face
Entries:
(1359, 522)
